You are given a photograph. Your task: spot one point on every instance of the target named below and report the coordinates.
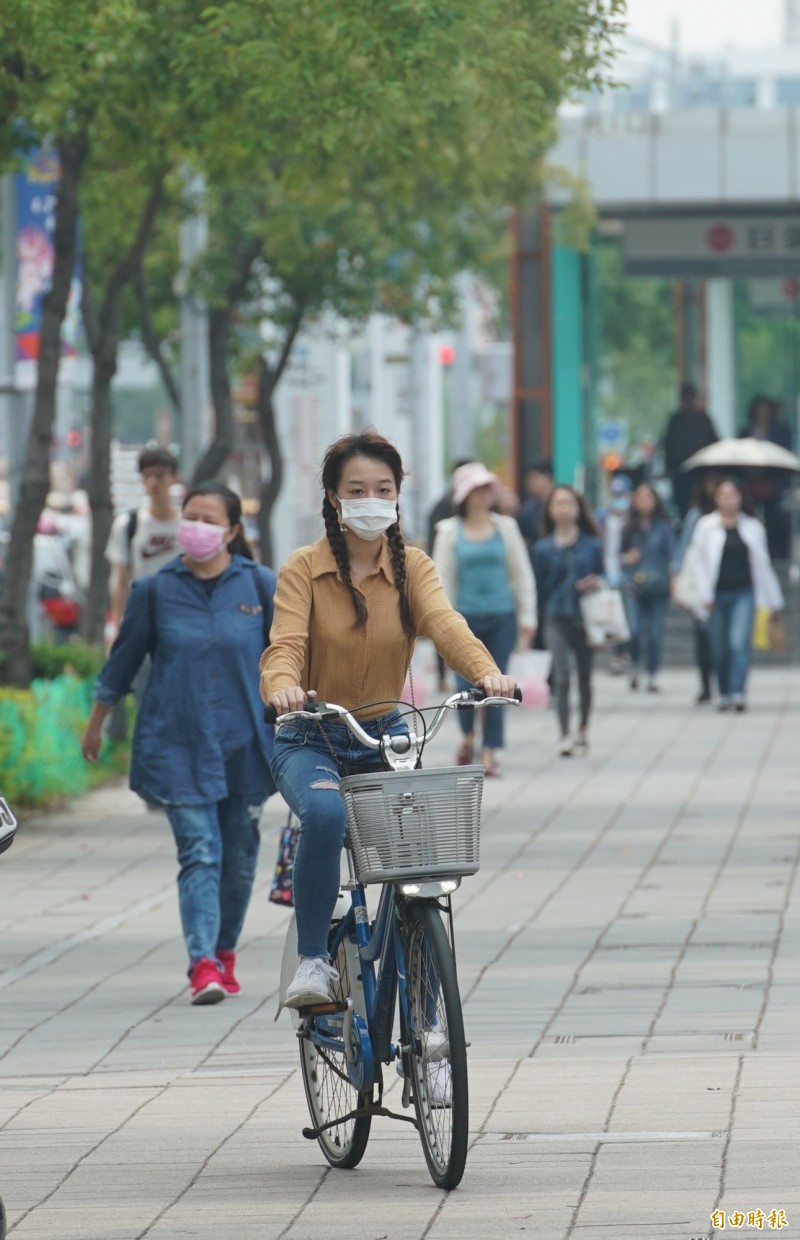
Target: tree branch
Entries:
(151, 341)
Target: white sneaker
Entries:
(311, 983)
(565, 747)
(440, 1084)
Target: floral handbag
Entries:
(280, 891)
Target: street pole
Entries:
(195, 384)
(427, 417)
(462, 439)
(11, 429)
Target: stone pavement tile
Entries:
(108, 1222)
(642, 1215)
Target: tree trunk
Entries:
(268, 379)
(271, 486)
(218, 451)
(153, 344)
(99, 484)
(102, 331)
(14, 633)
(219, 334)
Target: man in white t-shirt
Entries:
(144, 540)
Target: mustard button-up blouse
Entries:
(313, 641)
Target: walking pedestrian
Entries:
(702, 504)
(568, 563)
(144, 539)
(486, 573)
(689, 429)
(733, 577)
(348, 610)
(141, 542)
(647, 549)
(538, 481)
(200, 748)
(611, 521)
(767, 487)
(441, 510)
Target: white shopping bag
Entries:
(604, 619)
(531, 669)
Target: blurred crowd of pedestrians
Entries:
(706, 545)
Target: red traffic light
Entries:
(73, 438)
(447, 355)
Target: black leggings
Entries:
(562, 634)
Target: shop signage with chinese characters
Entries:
(707, 245)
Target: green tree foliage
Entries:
(356, 154)
(767, 356)
(636, 347)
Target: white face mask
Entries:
(368, 518)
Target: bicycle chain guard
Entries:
(358, 1051)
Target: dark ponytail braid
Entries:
(397, 546)
(339, 549)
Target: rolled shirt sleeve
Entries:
(435, 618)
(133, 642)
(282, 663)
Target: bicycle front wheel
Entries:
(329, 1093)
(436, 1060)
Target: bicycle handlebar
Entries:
(319, 711)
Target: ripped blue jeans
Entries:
(307, 773)
(217, 852)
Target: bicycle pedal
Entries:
(323, 1009)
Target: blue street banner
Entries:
(36, 203)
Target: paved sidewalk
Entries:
(631, 975)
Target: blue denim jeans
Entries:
(730, 635)
(307, 771)
(646, 620)
(217, 853)
(498, 634)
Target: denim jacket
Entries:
(656, 543)
(200, 732)
(558, 568)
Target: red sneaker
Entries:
(229, 983)
(205, 980)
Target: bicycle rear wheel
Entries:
(330, 1095)
(437, 1059)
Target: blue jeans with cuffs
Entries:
(217, 852)
(307, 771)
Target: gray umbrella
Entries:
(743, 454)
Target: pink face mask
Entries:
(200, 540)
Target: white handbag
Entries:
(604, 619)
(684, 588)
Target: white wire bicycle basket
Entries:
(414, 824)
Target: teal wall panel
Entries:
(568, 350)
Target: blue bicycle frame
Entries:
(366, 1043)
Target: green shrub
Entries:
(40, 731)
(79, 658)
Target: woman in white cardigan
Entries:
(486, 572)
(733, 576)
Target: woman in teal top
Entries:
(485, 570)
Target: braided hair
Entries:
(370, 444)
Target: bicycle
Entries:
(416, 832)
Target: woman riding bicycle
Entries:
(347, 612)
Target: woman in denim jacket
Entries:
(201, 749)
(648, 547)
(567, 563)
